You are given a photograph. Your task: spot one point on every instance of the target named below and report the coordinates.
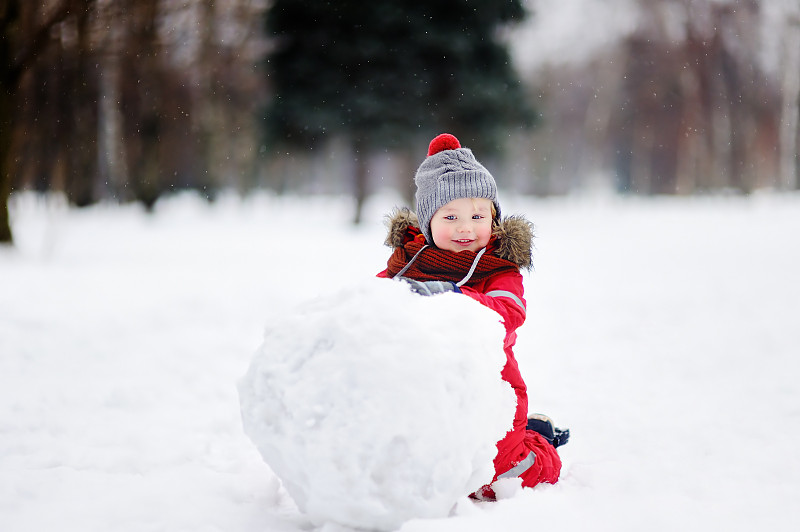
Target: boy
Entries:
(457, 242)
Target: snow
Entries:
(662, 332)
(372, 409)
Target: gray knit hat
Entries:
(448, 173)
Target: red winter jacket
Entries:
(521, 452)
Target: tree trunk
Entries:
(112, 161)
(361, 174)
(6, 236)
(209, 125)
(15, 58)
(145, 80)
(9, 12)
(81, 109)
(791, 107)
(406, 170)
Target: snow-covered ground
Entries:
(663, 332)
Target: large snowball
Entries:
(377, 405)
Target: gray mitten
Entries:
(430, 288)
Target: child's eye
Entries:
(450, 217)
(477, 217)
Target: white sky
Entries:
(569, 31)
(572, 31)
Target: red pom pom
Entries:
(442, 142)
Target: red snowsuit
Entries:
(521, 452)
(514, 449)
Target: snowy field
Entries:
(663, 332)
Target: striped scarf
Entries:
(435, 264)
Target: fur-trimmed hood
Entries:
(514, 235)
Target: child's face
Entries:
(465, 223)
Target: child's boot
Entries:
(544, 426)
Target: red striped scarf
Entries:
(435, 264)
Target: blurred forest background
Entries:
(129, 100)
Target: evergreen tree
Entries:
(385, 73)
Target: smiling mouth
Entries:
(463, 242)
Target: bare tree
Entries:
(132, 98)
(790, 104)
(112, 159)
(698, 103)
(24, 34)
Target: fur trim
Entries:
(514, 235)
(398, 222)
(515, 240)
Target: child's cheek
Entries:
(439, 237)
